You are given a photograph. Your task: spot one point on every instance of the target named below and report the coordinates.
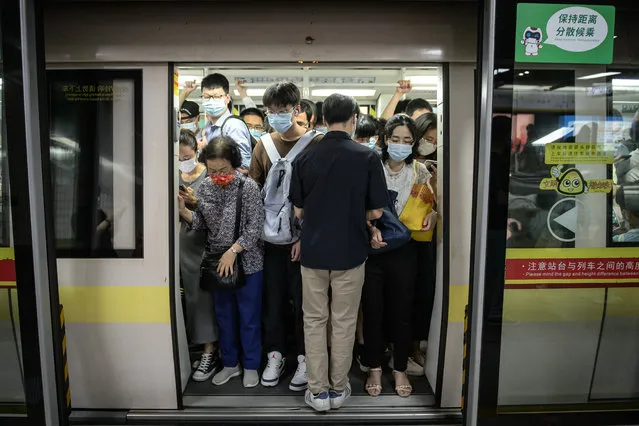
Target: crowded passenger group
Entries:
(307, 238)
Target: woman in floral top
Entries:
(216, 207)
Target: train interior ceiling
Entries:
(372, 87)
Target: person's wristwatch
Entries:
(233, 249)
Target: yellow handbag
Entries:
(420, 203)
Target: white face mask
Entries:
(187, 166)
(426, 148)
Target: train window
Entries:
(96, 162)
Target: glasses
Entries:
(257, 127)
(405, 141)
(269, 112)
(214, 97)
(223, 171)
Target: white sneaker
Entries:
(226, 374)
(299, 382)
(337, 399)
(274, 369)
(319, 402)
(250, 379)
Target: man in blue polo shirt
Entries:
(336, 187)
(215, 102)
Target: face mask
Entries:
(256, 133)
(426, 148)
(223, 179)
(281, 122)
(189, 126)
(214, 107)
(371, 143)
(322, 129)
(187, 166)
(399, 151)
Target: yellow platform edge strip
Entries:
(116, 304)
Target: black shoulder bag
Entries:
(210, 279)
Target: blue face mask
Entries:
(281, 122)
(214, 107)
(399, 151)
(189, 126)
(256, 133)
(371, 143)
(322, 129)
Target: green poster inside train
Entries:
(563, 33)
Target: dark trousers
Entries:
(388, 292)
(424, 288)
(247, 302)
(282, 282)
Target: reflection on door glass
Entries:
(569, 303)
(11, 372)
(96, 163)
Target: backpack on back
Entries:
(252, 139)
(279, 221)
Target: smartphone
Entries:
(183, 188)
(430, 164)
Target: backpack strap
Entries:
(302, 143)
(270, 148)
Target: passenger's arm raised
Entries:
(403, 87)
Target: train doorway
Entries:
(374, 88)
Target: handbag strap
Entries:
(238, 211)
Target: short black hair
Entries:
(393, 123)
(401, 106)
(223, 147)
(213, 81)
(252, 111)
(367, 126)
(319, 114)
(282, 94)
(425, 122)
(624, 193)
(187, 138)
(417, 104)
(339, 108)
(307, 107)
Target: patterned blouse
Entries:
(216, 214)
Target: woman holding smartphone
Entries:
(426, 243)
(200, 314)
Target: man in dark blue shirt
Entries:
(336, 186)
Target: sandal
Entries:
(402, 389)
(374, 382)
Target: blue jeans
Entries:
(247, 301)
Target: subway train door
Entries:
(555, 294)
(32, 381)
(108, 144)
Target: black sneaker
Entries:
(206, 367)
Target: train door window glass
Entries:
(560, 321)
(11, 367)
(96, 162)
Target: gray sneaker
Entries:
(251, 378)
(226, 374)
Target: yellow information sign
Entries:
(579, 153)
